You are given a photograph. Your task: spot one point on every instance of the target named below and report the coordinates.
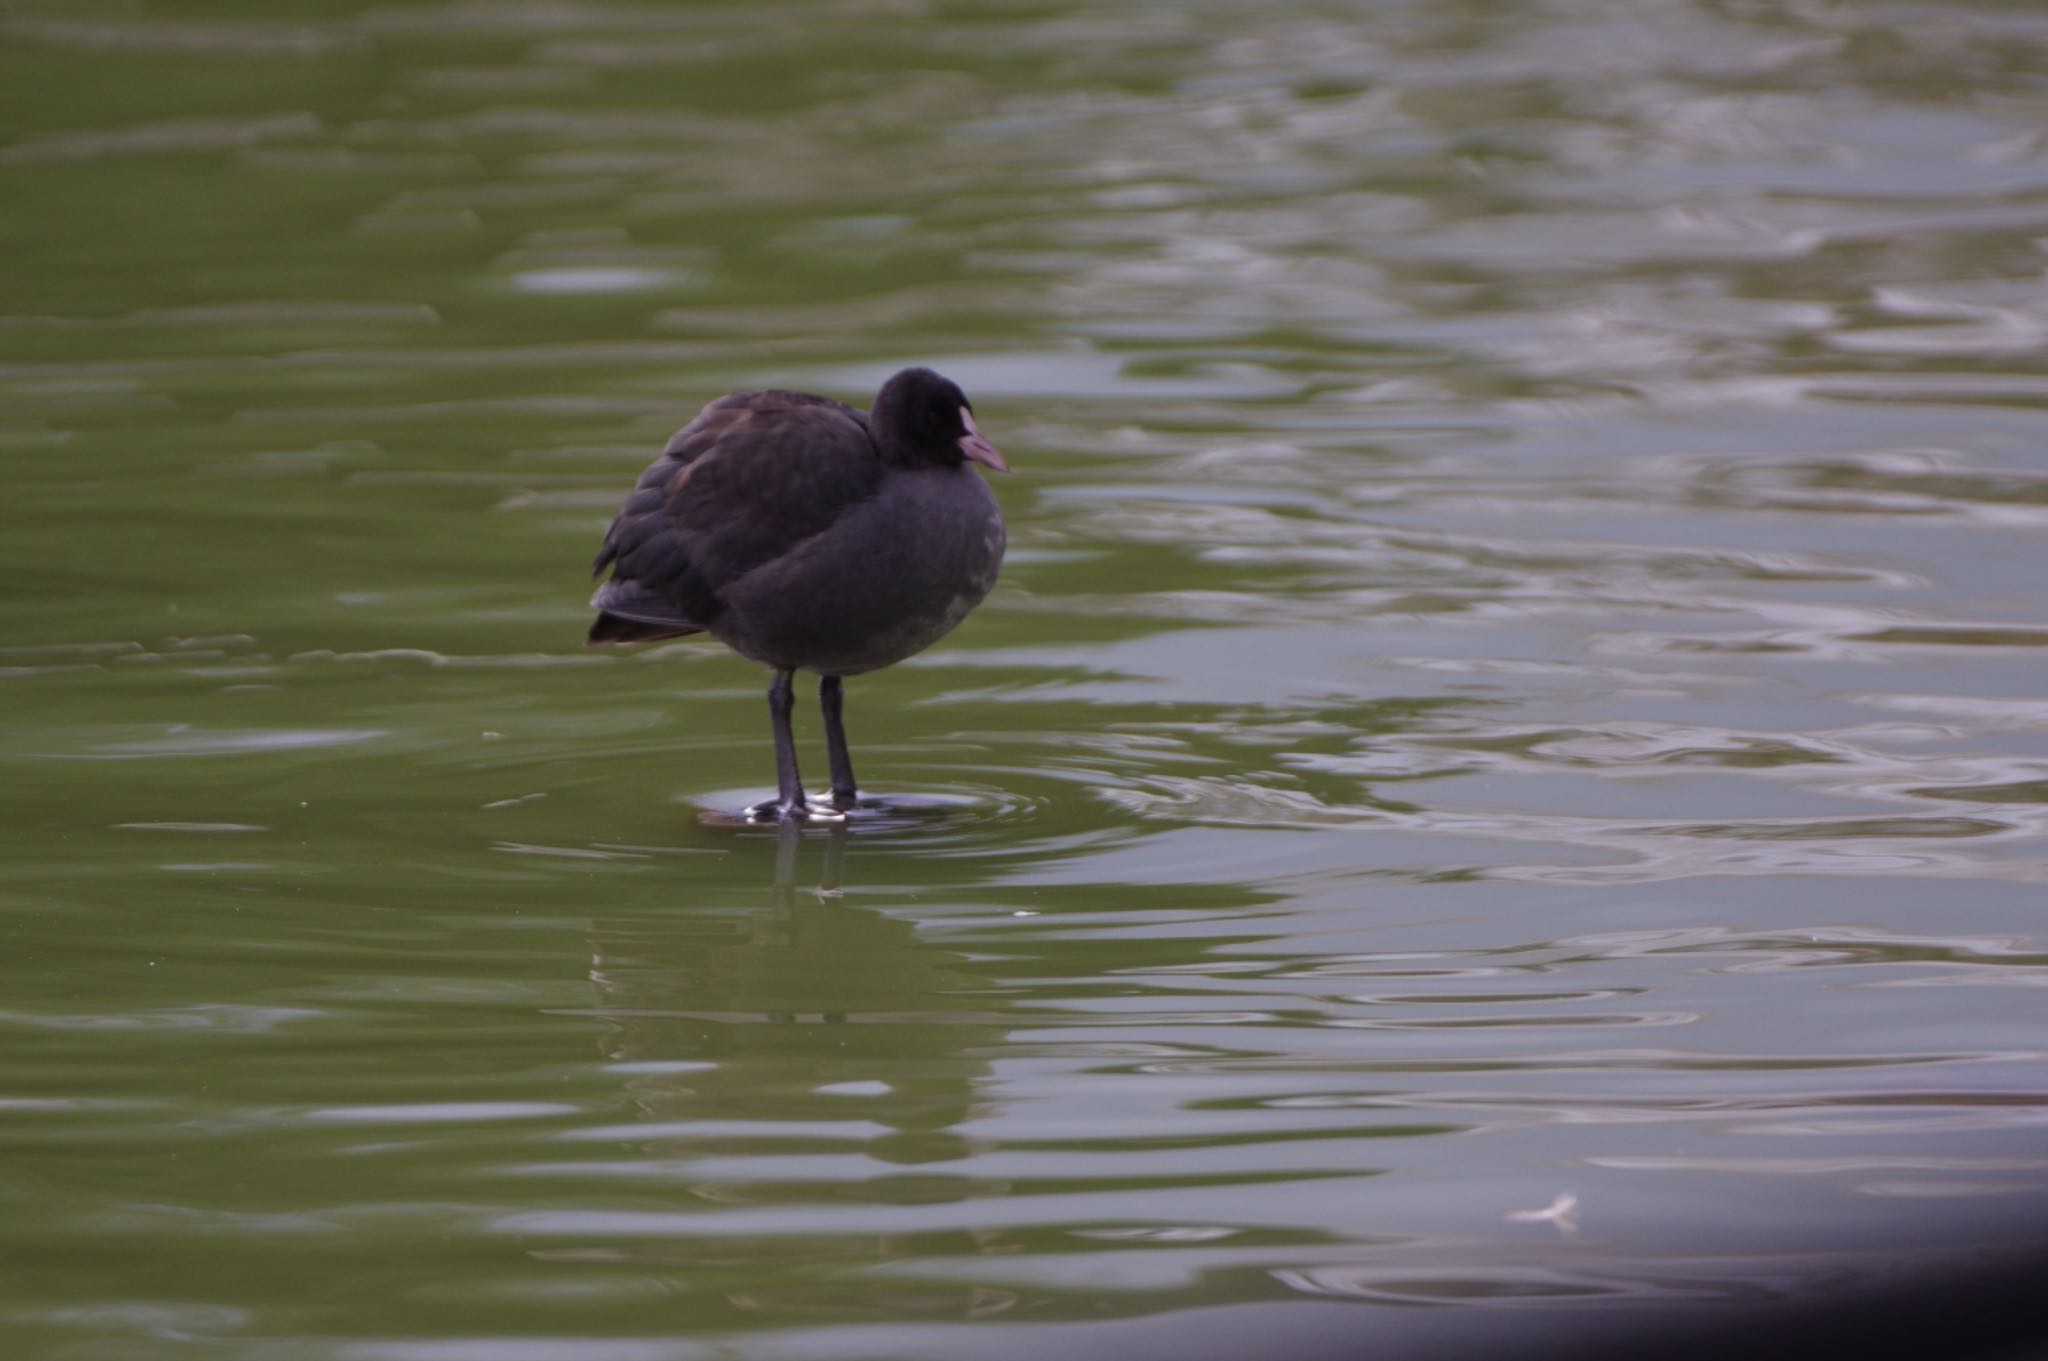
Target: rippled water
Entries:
(1507, 771)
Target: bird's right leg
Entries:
(789, 805)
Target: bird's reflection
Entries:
(790, 1041)
(788, 841)
(797, 1003)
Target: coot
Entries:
(806, 535)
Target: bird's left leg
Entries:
(832, 699)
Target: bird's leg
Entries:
(789, 803)
(832, 699)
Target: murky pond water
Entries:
(1518, 684)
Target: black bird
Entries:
(806, 535)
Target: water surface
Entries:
(1505, 777)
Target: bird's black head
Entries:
(921, 419)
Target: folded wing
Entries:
(753, 476)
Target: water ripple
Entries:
(1516, 683)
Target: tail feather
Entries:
(614, 628)
(628, 612)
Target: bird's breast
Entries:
(888, 578)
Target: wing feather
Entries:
(755, 474)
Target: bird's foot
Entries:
(794, 812)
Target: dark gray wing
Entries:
(755, 474)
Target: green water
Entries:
(1519, 674)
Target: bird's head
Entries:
(920, 418)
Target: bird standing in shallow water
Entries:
(807, 535)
